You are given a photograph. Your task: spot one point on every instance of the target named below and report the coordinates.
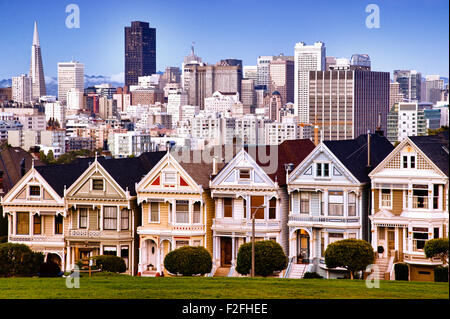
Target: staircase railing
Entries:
(288, 268)
(213, 271)
(390, 269)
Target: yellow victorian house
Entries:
(177, 210)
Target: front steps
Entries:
(297, 271)
(382, 264)
(222, 272)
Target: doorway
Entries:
(302, 246)
(225, 251)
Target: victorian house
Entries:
(410, 204)
(177, 209)
(329, 192)
(253, 183)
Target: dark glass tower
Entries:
(140, 51)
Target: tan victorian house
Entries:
(177, 209)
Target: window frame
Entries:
(194, 212)
(150, 213)
(82, 209)
(37, 217)
(98, 179)
(128, 211)
(105, 218)
(59, 226)
(176, 211)
(36, 186)
(248, 170)
(225, 206)
(27, 214)
(164, 179)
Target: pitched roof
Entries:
(290, 151)
(353, 153)
(435, 148)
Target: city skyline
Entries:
(175, 33)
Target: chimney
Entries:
(378, 129)
(214, 165)
(316, 135)
(368, 148)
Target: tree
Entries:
(352, 254)
(50, 157)
(188, 261)
(437, 131)
(437, 248)
(269, 257)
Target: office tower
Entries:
(307, 58)
(176, 99)
(172, 75)
(70, 76)
(262, 66)
(22, 89)
(140, 51)
(360, 61)
(329, 60)
(433, 87)
(405, 119)
(394, 94)
(5, 94)
(107, 107)
(282, 78)
(123, 99)
(221, 102)
(273, 105)
(75, 99)
(36, 68)
(347, 103)
(410, 82)
(250, 72)
(248, 96)
(260, 93)
(57, 112)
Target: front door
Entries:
(391, 241)
(225, 251)
(151, 255)
(303, 246)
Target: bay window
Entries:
(420, 236)
(272, 208)
(196, 213)
(22, 223)
(304, 203)
(110, 218)
(154, 212)
(255, 206)
(82, 218)
(182, 211)
(351, 204)
(386, 197)
(335, 203)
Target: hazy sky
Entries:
(412, 34)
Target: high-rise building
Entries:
(248, 96)
(347, 103)
(262, 65)
(36, 68)
(140, 51)
(57, 112)
(360, 61)
(282, 78)
(21, 89)
(405, 119)
(189, 60)
(70, 76)
(433, 87)
(250, 72)
(307, 58)
(410, 82)
(75, 99)
(395, 96)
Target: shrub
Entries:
(110, 263)
(380, 249)
(188, 261)
(49, 269)
(311, 275)
(269, 257)
(401, 271)
(19, 260)
(441, 274)
(352, 254)
(437, 247)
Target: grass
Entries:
(113, 286)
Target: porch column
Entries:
(405, 235)
(69, 256)
(101, 217)
(374, 236)
(119, 215)
(233, 249)
(158, 257)
(30, 226)
(325, 202)
(396, 238)
(292, 246)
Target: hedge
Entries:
(188, 261)
(49, 269)
(110, 263)
(269, 257)
(441, 274)
(311, 275)
(401, 271)
(19, 260)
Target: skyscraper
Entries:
(21, 89)
(263, 63)
(282, 78)
(36, 68)
(140, 51)
(307, 58)
(410, 82)
(70, 76)
(433, 87)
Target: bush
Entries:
(352, 254)
(401, 271)
(188, 261)
(441, 274)
(269, 257)
(19, 260)
(311, 275)
(380, 249)
(110, 263)
(49, 269)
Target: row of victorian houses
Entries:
(303, 196)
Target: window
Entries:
(35, 191)
(244, 174)
(110, 250)
(386, 197)
(97, 184)
(436, 232)
(36, 224)
(109, 218)
(124, 219)
(420, 236)
(333, 237)
(196, 213)
(245, 208)
(255, 206)
(351, 204)
(272, 208)
(181, 243)
(23, 223)
(304, 203)
(405, 161)
(58, 224)
(420, 196)
(170, 178)
(197, 243)
(82, 219)
(182, 211)
(154, 212)
(319, 169)
(436, 196)
(322, 169)
(124, 253)
(413, 161)
(227, 207)
(335, 203)
(326, 172)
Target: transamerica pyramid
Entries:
(36, 67)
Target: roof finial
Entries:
(32, 162)
(96, 153)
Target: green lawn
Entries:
(121, 286)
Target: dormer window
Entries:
(244, 173)
(170, 178)
(97, 184)
(322, 169)
(35, 191)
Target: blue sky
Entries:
(412, 34)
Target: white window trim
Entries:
(330, 167)
(381, 198)
(249, 173)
